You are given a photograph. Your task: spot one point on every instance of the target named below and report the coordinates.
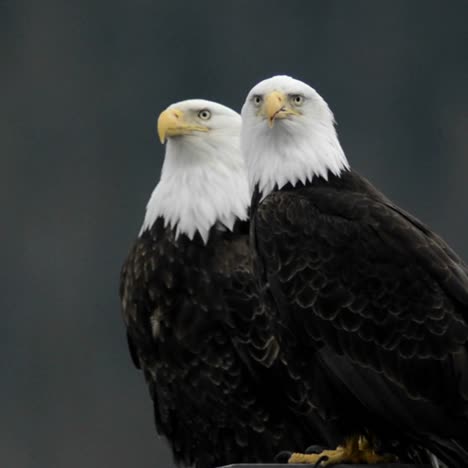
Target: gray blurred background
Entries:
(82, 83)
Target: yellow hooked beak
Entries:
(276, 106)
(171, 122)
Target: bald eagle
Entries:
(375, 304)
(195, 326)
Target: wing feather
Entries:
(354, 273)
(206, 344)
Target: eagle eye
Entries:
(204, 114)
(257, 99)
(297, 99)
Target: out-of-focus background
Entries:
(82, 83)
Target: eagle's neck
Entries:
(198, 190)
(290, 153)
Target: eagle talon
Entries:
(314, 449)
(322, 459)
(283, 457)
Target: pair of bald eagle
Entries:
(330, 317)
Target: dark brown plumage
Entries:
(207, 348)
(377, 306)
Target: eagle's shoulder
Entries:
(347, 195)
(353, 209)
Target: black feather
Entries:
(378, 308)
(208, 349)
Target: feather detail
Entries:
(294, 150)
(203, 182)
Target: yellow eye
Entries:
(204, 114)
(297, 99)
(257, 99)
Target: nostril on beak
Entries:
(176, 114)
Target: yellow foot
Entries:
(355, 450)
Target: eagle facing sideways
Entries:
(194, 323)
(376, 302)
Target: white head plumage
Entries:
(203, 178)
(288, 135)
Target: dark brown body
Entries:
(208, 349)
(375, 308)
